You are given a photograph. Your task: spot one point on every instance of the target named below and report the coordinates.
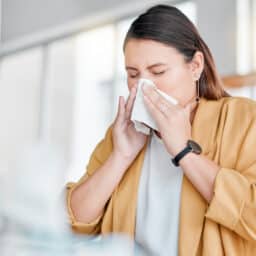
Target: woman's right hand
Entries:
(127, 141)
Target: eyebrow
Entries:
(151, 66)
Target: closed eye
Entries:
(159, 73)
(133, 76)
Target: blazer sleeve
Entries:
(234, 201)
(98, 157)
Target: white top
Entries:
(157, 219)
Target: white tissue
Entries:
(141, 117)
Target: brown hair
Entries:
(168, 25)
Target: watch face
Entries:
(195, 147)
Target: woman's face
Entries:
(165, 66)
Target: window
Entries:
(246, 50)
(94, 94)
(20, 79)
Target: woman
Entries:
(203, 202)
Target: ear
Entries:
(197, 65)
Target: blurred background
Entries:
(61, 72)
(61, 67)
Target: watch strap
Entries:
(179, 156)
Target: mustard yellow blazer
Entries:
(226, 130)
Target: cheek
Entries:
(176, 83)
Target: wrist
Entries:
(187, 159)
(178, 149)
(120, 159)
(191, 147)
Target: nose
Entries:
(142, 75)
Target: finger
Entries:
(130, 102)
(164, 108)
(159, 101)
(154, 111)
(121, 110)
(151, 93)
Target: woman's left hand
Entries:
(173, 121)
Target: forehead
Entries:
(149, 51)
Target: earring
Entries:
(197, 91)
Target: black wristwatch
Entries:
(192, 146)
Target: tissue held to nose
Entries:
(141, 117)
